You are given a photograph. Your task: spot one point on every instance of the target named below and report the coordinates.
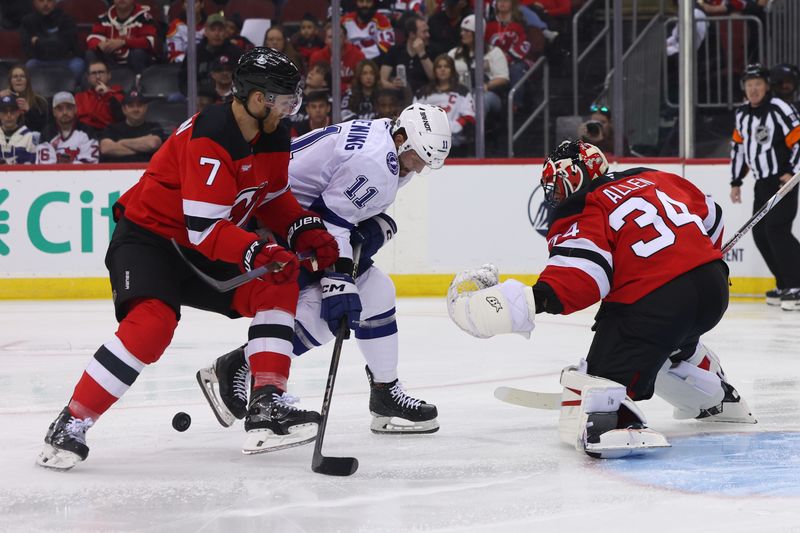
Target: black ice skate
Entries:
(394, 411)
(231, 376)
(790, 300)
(774, 296)
(65, 442)
(273, 423)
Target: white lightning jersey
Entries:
(346, 173)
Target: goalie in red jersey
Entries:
(646, 244)
(216, 170)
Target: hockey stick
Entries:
(527, 398)
(761, 213)
(334, 466)
(236, 281)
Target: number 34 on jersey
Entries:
(628, 234)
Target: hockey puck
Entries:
(181, 421)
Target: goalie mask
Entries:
(569, 168)
(427, 132)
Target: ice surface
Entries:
(491, 467)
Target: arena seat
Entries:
(10, 46)
(83, 11)
(48, 80)
(168, 115)
(123, 76)
(160, 80)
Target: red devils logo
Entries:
(246, 201)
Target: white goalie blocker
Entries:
(483, 307)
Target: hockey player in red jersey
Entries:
(647, 244)
(216, 170)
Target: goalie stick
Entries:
(334, 466)
(236, 281)
(762, 212)
(527, 398)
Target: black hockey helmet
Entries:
(753, 71)
(270, 72)
(784, 71)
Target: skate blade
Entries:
(790, 306)
(265, 441)
(399, 426)
(206, 378)
(56, 459)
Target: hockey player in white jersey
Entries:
(349, 174)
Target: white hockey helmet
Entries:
(427, 131)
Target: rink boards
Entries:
(55, 223)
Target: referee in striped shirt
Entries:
(766, 141)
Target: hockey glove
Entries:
(308, 234)
(339, 299)
(262, 252)
(373, 233)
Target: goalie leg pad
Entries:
(597, 417)
(505, 308)
(698, 388)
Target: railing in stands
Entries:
(543, 107)
(783, 37)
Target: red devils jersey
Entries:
(628, 234)
(206, 181)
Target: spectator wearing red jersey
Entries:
(99, 105)
(351, 56)
(125, 34)
(307, 40)
(178, 32)
(507, 32)
(371, 31)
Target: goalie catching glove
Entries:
(483, 307)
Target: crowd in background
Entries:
(393, 52)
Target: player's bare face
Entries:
(756, 90)
(410, 162)
(65, 115)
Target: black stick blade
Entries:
(334, 466)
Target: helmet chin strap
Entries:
(258, 119)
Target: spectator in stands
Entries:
(599, 130)
(124, 35)
(178, 32)
(307, 40)
(700, 29)
(496, 77)
(99, 105)
(69, 141)
(537, 14)
(33, 107)
(351, 56)
(369, 30)
(276, 38)
(389, 103)
(784, 79)
(222, 78)
(360, 100)
(17, 142)
(408, 66)
(725, 7)
(318, 109)
(445, 26)
(233, 33)
(318, 78)
(205, 98)
(49, 37)
(131, 140)
(507, 32)
(213, 46)
(447, 93)
(12, 12)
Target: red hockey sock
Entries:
(270, 369)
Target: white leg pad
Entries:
(699, 393)
(688, 388)
(589, 416)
